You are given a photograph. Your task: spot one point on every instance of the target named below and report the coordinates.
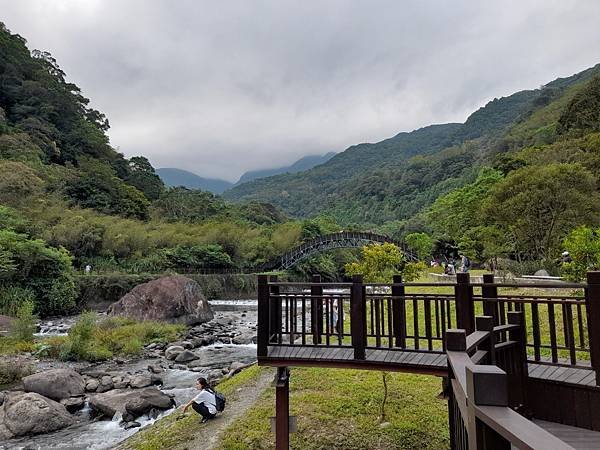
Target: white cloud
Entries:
(220, 88)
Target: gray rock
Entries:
(185, 344)
(174, 299)
(134, 424)
(25, 414)
(236, 366)
(106, 384)
(186, 356)
(541, 273)
(144, 404)
(73, 404)
(140, 381)
(129, 400)
(155, 368)
(55, 384)
(244, 338)
(195, 363)
(172, 352)
(92, 385)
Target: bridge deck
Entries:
(393, 360)
(578, 438)
(413, 361)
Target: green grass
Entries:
(171, 432)
(91, 341)
(339, 409)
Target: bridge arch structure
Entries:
(343, 239)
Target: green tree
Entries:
(45, 270)
(583, 245)
(380, 262)
(537, 206)
(454, 213)
(420, 243)
(144, 178)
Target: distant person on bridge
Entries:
(205, 402)
(465, 263)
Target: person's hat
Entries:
(565, 253)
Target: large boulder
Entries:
(55, 384)
(24, 414)
(174, 299)
(136, 402)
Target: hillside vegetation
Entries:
(396, 178)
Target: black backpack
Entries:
(219, 401)
(467, 262)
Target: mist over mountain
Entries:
(178, 177)
(305, 163)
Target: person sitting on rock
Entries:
(204, 403)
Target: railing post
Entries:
(263, 316)
(486, 323)
(316, 308)
(518, 382)
(486, 386)
(399, 312)
(456, 340)
(358, 317)
(490, 308)
(274, 310)
(592, 305)
(465, 311)
(282, 409)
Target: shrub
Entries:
(23, 327)
(12, 297)
(13, 370)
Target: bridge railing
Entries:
(479, 397)
(560, 321)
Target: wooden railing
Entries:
(559, 323)
(479, 398)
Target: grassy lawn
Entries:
(339, 409)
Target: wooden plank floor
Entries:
(399, 360)
(561, 374)
(578, 438)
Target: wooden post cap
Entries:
(456, 340)
(487, 385)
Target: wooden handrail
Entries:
(518, 430)
(488, 404)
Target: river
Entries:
(103, 434)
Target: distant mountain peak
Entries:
(304, 163)
(172, 176)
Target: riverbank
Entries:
(216, 350)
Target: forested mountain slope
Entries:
(395, 178)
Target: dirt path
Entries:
(237, 404)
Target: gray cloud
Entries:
(224, 87)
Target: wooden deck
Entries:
(578, 438)
(562, 374)
(414, 361)
(424, 362)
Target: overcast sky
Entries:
(219, 88)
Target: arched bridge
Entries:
(344, 239)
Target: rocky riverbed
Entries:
(95, 406)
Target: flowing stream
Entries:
(103, 434)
